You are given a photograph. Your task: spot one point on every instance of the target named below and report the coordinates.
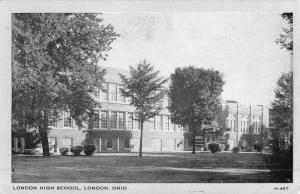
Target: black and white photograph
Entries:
(151, 97)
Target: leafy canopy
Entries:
(54, 63)
(145, 89)
(195, 95)
(282, 107)
(286, 38)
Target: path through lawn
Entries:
(161, 168)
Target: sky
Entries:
(239, 45)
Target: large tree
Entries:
(195, 97)
(145, 89)
(286, 38)
(54, 66)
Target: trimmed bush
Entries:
(89, 149)
(227, 146)
(76, 150)
(235, 149)
(63, 150)
(258, 147)
(248, 149)
(214, 147)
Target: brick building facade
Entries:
(114, 128)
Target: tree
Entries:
(146, 90)
(286, 38)
(195, 97)
(282, 106)
(54, 66)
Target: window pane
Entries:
(129, 121)
(166, 123)
(113, 120)
(96, 120)
(136, 122)
(104, 117)
(113, 92)
(109, 143)
(121, 98)
(121, 120)
(126, 143)
(67, 119)
(104, 93)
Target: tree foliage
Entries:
(54, 66)
(282, 106)
(286, 38)
(195, 97)
(145, 89)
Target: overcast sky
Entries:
(240, 45)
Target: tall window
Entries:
(121, 120)
(67, 119)
(121, 98)
(172, 126)
(109, 143)
(127, 143)
(166, 123)
(159, 122)
(104, 92)
(104, 119)
(52, 121)
(96, 120)
(113, 120)
(129, 121)
(136, 122)
(113, 92)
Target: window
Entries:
(113, 92)
(113, 120)
(53, 121)
(109, 143)
(159, 122)
(129, 121)
(127, 143)
(171, 125)
(166, 123)
(104, 93)
(121, 120)
(67, 119)
(67, 142)
(121, 98)
(136, 122)
(96, 120)
(104, 118)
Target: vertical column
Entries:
(237, 124)
(100, 145)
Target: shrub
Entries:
(89, 149)
(213, 147)
(248, 149)
(76, 150)
(235, 149)
(258, 147)
(227, 146)
(63, 150)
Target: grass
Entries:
(151, 168)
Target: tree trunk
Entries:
(141, 139)
(43, 128)
(194, 138)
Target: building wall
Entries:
(160, 134)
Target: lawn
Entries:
(151, 168)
